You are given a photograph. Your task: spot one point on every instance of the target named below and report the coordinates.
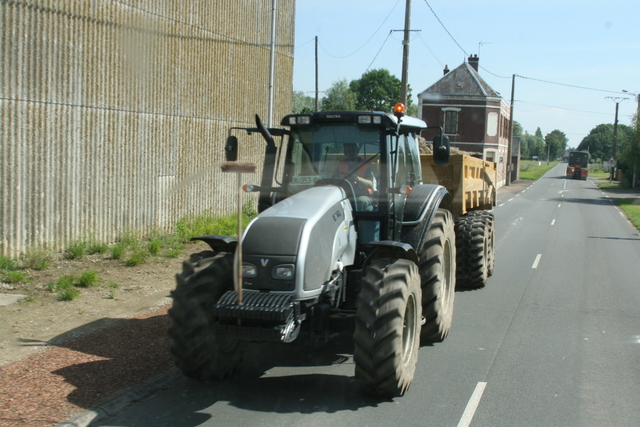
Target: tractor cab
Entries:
(370, 155)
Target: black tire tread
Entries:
(378, 347)
(437, 307)
(472, 244)
(195, 346)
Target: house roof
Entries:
(462, 81)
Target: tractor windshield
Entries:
(335, 151)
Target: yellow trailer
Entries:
(469, 180)
(471, 183)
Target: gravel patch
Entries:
(73, 376)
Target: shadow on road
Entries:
(613, 238)
(281, 378)
(602, 201)
(111, 359)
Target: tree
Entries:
(556, 143)
(339, 97)
(526, 141)
(630, 152)
(517, 128)
(302, 103)
(599, 142)
(538, 133)
(378, 90)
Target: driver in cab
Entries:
(354, 169)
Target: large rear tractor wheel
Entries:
(437, 274)
(387, 332)
(199, 351)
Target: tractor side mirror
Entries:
(441, 150)
(231, 149)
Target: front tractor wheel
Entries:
(200, 353)
(387, 332)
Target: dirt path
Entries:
(60, 358)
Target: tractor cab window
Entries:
(343, 154)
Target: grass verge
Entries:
(532, 170)
(612, 185)
(631, 208)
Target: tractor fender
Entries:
(420, 208)
(391, 249)
(219, 243)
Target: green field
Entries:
(532, 170)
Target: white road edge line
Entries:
(553, 222)
(470, 410)
(510, 199)
(501, 205)
(537, 261)
(559, 204)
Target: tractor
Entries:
(346, 232)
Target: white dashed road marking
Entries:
(470, 410)
(537, 261)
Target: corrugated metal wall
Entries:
(114, 114)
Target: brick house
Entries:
(473, 115)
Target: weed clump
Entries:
(76, 250)
(37, 258)
(139, 256)
(7, 264)
(87, 279)
(15, 276)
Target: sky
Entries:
(568, 55)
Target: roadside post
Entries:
(239, 168)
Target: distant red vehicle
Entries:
(578, 167)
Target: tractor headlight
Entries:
(249, 270)
(283, 272)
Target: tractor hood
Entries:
(296, 245)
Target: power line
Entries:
(432, 53)
(568, 85)
(562, 108)
(305, 43)
(493, 74)
(383, 43)
(365, 43)
(445, 28)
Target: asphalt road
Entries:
(553, 340)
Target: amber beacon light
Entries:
(399, 110)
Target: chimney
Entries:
(473, 61)
(446, 70)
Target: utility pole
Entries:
(617, 100)
(316, 73)
(272, 63)
(405, 53)
(509, 164)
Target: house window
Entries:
(451, 122)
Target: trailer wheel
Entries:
(437, 275)
(472, 248)
(387, 330)
(199, 352)
(491, 237)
